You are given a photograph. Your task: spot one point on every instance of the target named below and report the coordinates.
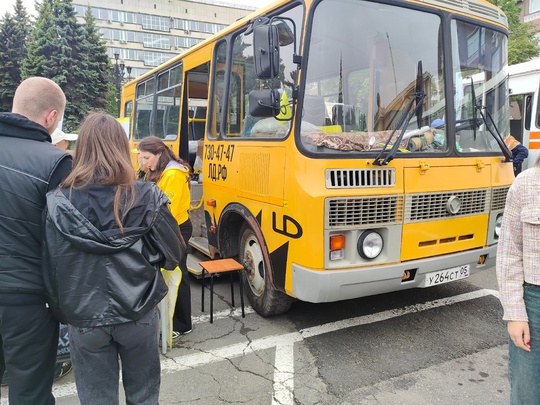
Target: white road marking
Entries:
(283, 377)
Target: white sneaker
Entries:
(61, 369)
(176, 335)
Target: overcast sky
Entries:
(7, 5)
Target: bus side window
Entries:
(314, 110)
(128, 109)
(344, 116)
(143, 108)
(171, 121)
(142, 124)
(243, 80)
(528, 112)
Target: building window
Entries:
(154, 22)
(194, 26)
(156, 41)
(155, 58)
(181, 24)
(186, 42)
(534, 6)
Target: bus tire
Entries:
(262, 295)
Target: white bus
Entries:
(524, 85)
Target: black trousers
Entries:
(28, 345)
(182, 310)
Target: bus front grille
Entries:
(443, 205)
(360, 178)
(499, 198)
(358, 211)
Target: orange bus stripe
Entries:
(534, 135)
(535, 143)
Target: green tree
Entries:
(14, 32)
(522, 43)
(41, 42)
(69, 66)
(63, 50)
(111, 103)
(98, 87)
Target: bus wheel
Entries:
(262, 295)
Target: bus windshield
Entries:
(380, 79)
(481, 95)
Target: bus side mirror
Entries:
(264, 103)
(285, 34)
(266, 51)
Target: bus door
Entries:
(525, 124)
(192, 130)
(525, 112)
(197, 102)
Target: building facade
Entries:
(530, 12)
(146, 33)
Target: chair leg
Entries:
(241, 292)
(202, 292)
(232, 288)
(211, 298)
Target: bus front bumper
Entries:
(337, 285)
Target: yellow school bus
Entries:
(338, 152)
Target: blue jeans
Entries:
(94, 354)
(524, 367)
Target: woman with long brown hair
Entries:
(173, 176)
(106, 238)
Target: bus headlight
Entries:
(370, 245)
(498, 223)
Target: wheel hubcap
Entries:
(253, 259)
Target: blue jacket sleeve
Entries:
(519, 153)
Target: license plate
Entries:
(446, 276)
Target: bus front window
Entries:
(481, 89)
(366, 62)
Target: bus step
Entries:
(200, 244)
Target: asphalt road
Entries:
(444, 345)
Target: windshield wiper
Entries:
(477, 110)
(385, 156)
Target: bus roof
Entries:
(524, 68)
(479, 8)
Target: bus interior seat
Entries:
(314, 110)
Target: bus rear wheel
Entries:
(262, 295)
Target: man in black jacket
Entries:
(30, 166)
